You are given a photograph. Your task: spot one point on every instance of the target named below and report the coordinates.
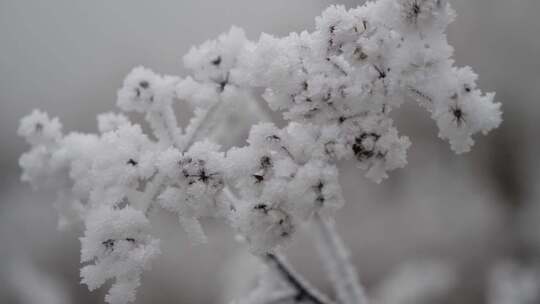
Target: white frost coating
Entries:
(337, 263)
(144, 90)
(315, 186)
(117, 244)
(358, 66)
(336, 87)
(264, 226)
(213, 60)
(38, 129)
(214, 91)
(194, 179)
(147, 92)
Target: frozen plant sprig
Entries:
(336, 87)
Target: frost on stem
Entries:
(279, 283)
(336, 87)
(335, 257)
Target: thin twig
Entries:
(151, 189)
(194, 134)
(304, 292)
(336, 259)
(419, 94)
(171, 124)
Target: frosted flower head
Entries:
(339, 27)
(143, 91)
(40, 170)
(315, 188)
(126, 149)
(125, 158)
(118, 245)
(465, 111)
(78, 151)
(276, 65)
(422, 13)
(195, 171)
(376, 145)
(249, 169)
(196, 177)
(264, 225)
(358, 63)
(37, 128)
(203, 163)
(265, 136)
(266, 160)
(137, 93)
(213, 60)
(260, 169)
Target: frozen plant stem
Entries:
(171, 125)
(335, 258)
(304, 292)
(193, 133)
(165, 126)
(150, 191)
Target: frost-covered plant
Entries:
(337, 88)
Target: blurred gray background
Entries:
(69, 58)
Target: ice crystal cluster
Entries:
(336, 87)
